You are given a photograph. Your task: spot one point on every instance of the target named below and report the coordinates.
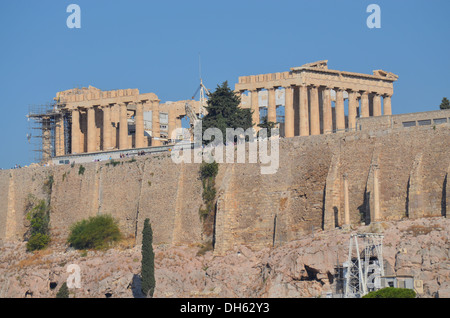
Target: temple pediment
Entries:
(385, 74)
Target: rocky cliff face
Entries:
(259, 210)
(276, 235)
(300, 268)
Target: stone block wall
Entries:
(253, 209)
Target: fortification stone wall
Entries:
(256, 210)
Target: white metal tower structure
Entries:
(364, 266)
(190, 111)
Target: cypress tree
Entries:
(63, 292)
(148, 261)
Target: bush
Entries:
(38, 241)
(392, 292)
(95, 233)
(39, 218)
(81, 170)
(209, 170)
(208, 173)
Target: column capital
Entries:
(289, 87)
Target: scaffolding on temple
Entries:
(44, 121)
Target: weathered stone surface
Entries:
(301, 268)
(253, 209)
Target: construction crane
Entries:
(190, 111)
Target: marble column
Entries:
(387, 105)
(376, 105)
(315, 116)
(340, 110)
(352, 106)
(107, 137)
(172, 123)
(123, 126)
(346, 201)
(304, 113)
(59, 136)
(327, 111)
(272, 106)
(289, 111)
(46, 139)
(139, 122)
(76, 131)
(155, 125)
(255, 109)
(364, 104)
(91, 131)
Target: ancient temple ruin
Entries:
(309, 92)
(316, 100)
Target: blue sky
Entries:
(154, 46)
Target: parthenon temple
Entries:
(315, 99)
(309, 92)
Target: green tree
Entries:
(445, 104)
(148, 261)
(63, 292)
(224, 112)
(392, 292)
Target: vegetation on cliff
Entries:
(208, 173)
(38, 233)
(207, 212)
(97, 232)
(63, 292)
(148, 261)
(391, 292)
